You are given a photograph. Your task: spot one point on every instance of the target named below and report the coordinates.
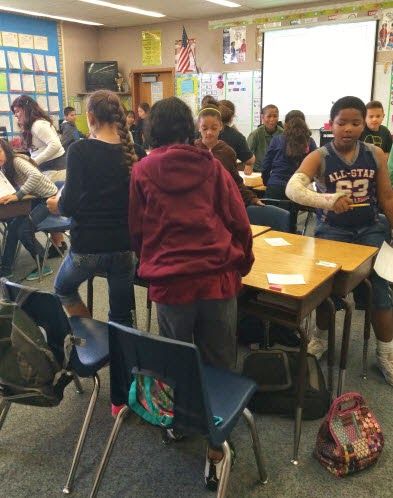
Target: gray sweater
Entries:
(31, 181)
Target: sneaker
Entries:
(116, 409)
(317, 347)
(54, 253)
(34, 275)
(385, 364)
(171, 435)
(213, 469)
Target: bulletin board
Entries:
(243, 88)
(29, 64)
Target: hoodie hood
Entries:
(178, 168)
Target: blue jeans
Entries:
(370, 235)
(119, 270)
(21, 229)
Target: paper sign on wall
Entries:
(51, 64)
(39, 63)
(151, 48)
(15, 82)
(28, 83)
(40, 42)
(4, 104)
(26, 41)
(40, 83)
(53, 103)
(42, 101)
(3, 82)
(5, 121)
(3, 63)
(52, 84)
(10, 39)
(27, 61)
(13, 60)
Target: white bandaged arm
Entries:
(298, 191)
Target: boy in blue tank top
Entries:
(349, 172)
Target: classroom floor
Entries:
(36, 444)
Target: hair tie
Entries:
(209, 109)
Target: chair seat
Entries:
(229, 393)
(88, 360)
(54, 223)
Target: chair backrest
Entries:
(45, 310)
(272, 216)
(176, 363)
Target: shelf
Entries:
(81, 94)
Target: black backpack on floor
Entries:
(275, 372)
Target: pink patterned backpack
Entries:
(350, 438)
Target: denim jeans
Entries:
(22, 229)
(118, 268)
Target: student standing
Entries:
(233, 137)
(26, 178)
(259, 139)
(130, 119)
(68, 130)
(210, 125)
(375, 132)
(95, 195)
(189, 227)
(139, 132)
(348, 171)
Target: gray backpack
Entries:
(29, 371)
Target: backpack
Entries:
(275, 372)
(29, 371)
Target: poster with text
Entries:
(212, 84)
(192, 65)
(234, 45)
(151, 48)
(239, 90)
(385, 32)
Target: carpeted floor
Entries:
(36, 444)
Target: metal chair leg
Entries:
(256, 445)
(367, 326)
(77, 382)
(82, 436)
(226, 469)
(4, 407)
(148, 313)
(308, 218)
(133, 308)
(90, 293)
(108, 450)
(331, 309)
(344, 345)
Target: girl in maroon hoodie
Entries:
(190, 230)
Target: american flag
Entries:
(183, 64)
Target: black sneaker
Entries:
(213, 469)
(54, 253)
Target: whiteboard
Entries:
(310, 68)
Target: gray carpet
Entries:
(36, 444)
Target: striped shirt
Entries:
(31, 181)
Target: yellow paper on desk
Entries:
(6, 187)
(253, 180)
(384, 262)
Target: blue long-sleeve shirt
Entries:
(277, 167)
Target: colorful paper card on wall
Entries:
(234, 45)
(13, 60)
(27, 61)
(40, 83)
(3, 82)
(4, 104)
(39, 63)
(26, 41)
(187, 89)
(15, 82)
(40, 42)
(151, 48)
(3, 63)
(51, 64)
(10, 39)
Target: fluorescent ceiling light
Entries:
(225, 3)
(127, 8)
(41, 14)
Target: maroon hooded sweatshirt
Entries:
(188, 226)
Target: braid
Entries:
(129, 156)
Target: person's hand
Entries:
(8, 198)
(247, 169)
(257, 202)
(51, 204)
(342, 205)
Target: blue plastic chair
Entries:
(85, 361)
(272, 216)
(53, 223)
(199, 392)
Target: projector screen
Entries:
(310, 68)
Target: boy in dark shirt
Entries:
(374, 132)
(69, 131)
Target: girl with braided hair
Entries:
(95, 196)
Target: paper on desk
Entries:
(384, 262)
(276, 241)
(282, 279)
(5, 186)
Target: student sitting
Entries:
(210, 125)
(189, 227)
(68, 130)
(233, 137)
(259, 140)
(375, 132)
(348, 171)
(26, 178)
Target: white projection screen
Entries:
(310, 68)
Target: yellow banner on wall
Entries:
(151, 48)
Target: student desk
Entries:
(356, 262)
(16, 208)
(258, 230)
(291, 305)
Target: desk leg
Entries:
(367, 326)
(331, 310)
(90, 293)
(300, 392)
(344, 345)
